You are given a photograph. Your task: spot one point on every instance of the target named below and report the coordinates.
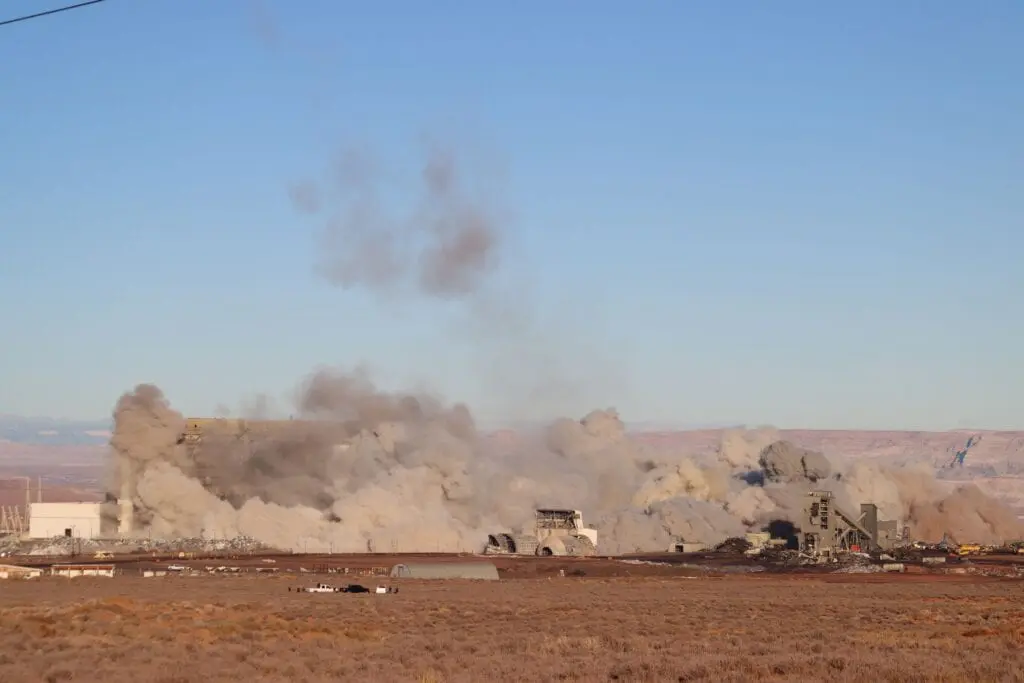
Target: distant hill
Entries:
(47, 431)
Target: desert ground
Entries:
(542, 627)
(547, 619)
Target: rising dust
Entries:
(363, 466)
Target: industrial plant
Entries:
(822, 532)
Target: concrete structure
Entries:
(885, 533)
(688, 547)
(72, 571)
(126, 512)
(826, 528)
(73, 520)
(10, 571)
(485, 571)
(758, 540)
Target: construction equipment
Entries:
(556, 532)
(960, 454)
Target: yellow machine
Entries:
(969, 549)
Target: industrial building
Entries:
(73, 520)
(827, 529)
(446, 570)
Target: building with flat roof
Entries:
(72, 520)
(486, 571)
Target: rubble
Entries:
(860, 569)
(734, 545)
(786, 558)
(62, 545)
(907, 554)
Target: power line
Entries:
(48, 12)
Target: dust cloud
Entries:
(361, 468)
(443, 247)
(366, 469)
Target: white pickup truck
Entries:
(351, 588)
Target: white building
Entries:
(72, 571)
(8, 571)
(73, 520)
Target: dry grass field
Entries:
(743, 629)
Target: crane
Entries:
(959, 455)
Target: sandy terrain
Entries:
(250, 628)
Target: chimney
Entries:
(126, 521)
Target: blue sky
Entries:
(797, 214)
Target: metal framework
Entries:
(828, 529)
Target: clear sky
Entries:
(803, 214)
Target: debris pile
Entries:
(734, 545)
(62, 545)
(860, 569)
(906, 554)
(780, 557)
(847, 560)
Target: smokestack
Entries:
(126, 520)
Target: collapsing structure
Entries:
(556, 532)
(827, 529)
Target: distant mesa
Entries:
(53, 432)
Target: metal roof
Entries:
(446, 570)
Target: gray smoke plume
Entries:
(446, 247)
(782, 461)
(362, 467)
(443, 248)
(365, 468)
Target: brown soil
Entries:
(758, 627)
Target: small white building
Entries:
(71, 571)
(73, 520)
(10, 571)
